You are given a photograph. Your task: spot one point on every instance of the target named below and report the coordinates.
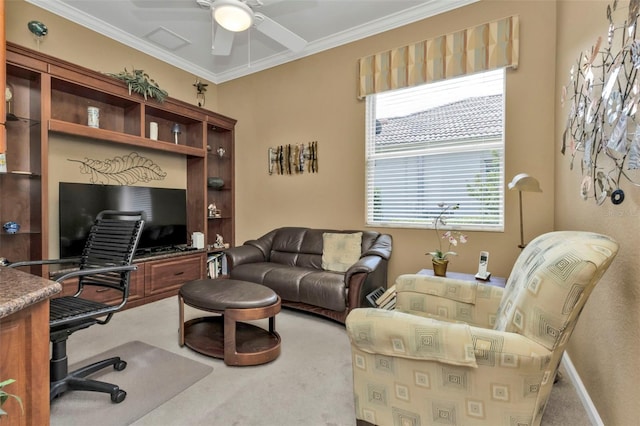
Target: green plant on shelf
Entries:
(4, 396)
(139, 82)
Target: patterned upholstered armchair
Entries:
(462, 353)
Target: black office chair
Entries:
(106, 262)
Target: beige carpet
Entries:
(152, 377)
(310, 384)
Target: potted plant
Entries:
(139, 82)
(4, 396)
(440, 257)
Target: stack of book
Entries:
(388, 299)
(216, 265)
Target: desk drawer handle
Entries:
(102, 290)
(179, 273)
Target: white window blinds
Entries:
(437, 143)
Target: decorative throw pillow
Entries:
(340, 251)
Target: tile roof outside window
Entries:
(466, 119)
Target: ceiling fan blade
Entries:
(282, 35)
(222, 42)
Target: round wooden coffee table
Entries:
(226, 336)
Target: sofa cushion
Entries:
(340, 251)
(319, 288)
(284, 280)
(253, 272)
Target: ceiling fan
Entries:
(232, 16)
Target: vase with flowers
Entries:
(440, 257)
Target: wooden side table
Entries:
(496, 281)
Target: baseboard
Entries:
(591, 410)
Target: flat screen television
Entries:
(165, 214)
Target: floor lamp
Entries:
(523, 183)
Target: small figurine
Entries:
(212, 210)
(200, 89)
(219, 241)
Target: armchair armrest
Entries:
(408, 336)
(243, 254)
(402, 335)
(512, 344)
(445, 298)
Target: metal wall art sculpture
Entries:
(125, 170)
(291, 159)
(603, 126)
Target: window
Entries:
(437, 143)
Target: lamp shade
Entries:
(524, 182)
(232, 15)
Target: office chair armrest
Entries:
(94, 271)
(44, 262)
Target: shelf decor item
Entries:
(9, 98)
(176, 130)
(39, 31)
(37, 28)
(439, 257)
(215, 182)
(200, 89)
(214, 212)
(93, 117)
(139, 82)
(153, 131)
(11, 227)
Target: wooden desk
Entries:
(497, 281)
(24, 351)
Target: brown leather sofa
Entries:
(289, 261)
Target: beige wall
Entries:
(606, 342)
(314, 99)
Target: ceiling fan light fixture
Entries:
(232, 15)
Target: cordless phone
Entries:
(483, 274)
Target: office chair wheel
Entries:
(118, 396)
(120, 366)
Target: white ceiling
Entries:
(179, 31)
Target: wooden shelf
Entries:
(121, 138)
(52, 97)
(22, 174)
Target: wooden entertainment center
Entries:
(51, 96)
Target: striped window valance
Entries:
(481, 48)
